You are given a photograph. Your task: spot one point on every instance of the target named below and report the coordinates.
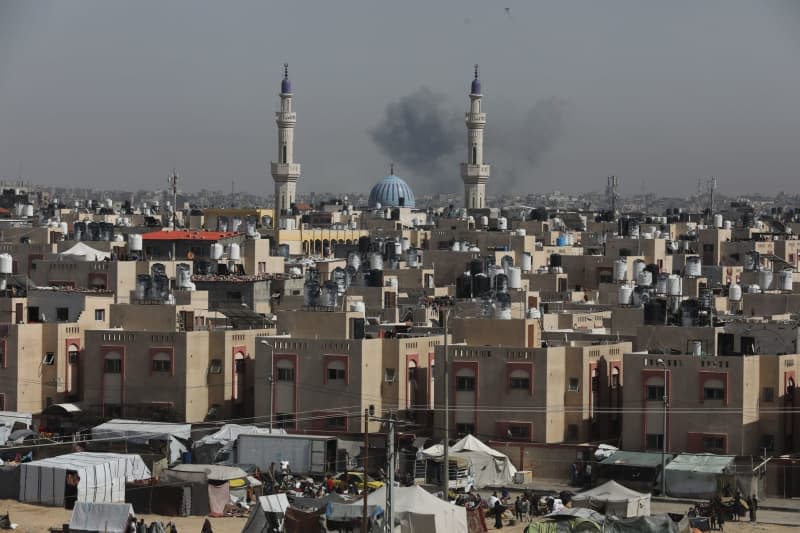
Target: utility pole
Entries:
(390, 491)
(365, 510)
(662, 363)
(446, 483)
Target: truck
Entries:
(314, 455)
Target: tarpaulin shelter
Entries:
(489, 466)
(700, 475)
(635, 470)
(11, 421)
(84, 252)
(101, 478)
(613, 499)
(144, 432)
(222, 482)
(101, 517)
(268, 515)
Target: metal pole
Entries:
(271, 385)
(390, 492)
(446, 482)
(664, 438)
(364, 512)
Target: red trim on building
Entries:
(187, 235)
(169, 350)
(291, 357)
(502, 428)
(705, 376)
(329, 358)
(455, 366)
(525, 367)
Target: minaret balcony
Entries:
(474, 171)
(287, 170)
(475, 118)
(283, 116)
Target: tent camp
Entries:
(268, 515)
(613, 499)
(205, 449)
(101, 478)
(489, 467)
(101, 517)
(416, 509)
(84, 252)
(11, 421)
(699, 475)
(144, 432)
(223, 482)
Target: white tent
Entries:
(101, 517)
(141, 431)
(268, 514)
(416, 509)
(84, 252)
(612, 499)
(7, 421)
(102, 477)
(490, 467)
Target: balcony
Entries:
(291, 170)
(474, 171)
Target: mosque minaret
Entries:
(285, 171)
(474, 172)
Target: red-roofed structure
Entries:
(187, 235)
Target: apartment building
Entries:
(726, 404)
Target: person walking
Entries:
(498, 514)
(753, 507)
(518, 508)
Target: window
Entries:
(2, 402)
(336, 374)
(462, 429)
(574, 384)
(713, 393)
(769, 394)
(389, 375)
(520, 383)
(238, 366)
(336, 422)
(49, 358)
(72, 356)
(286, 374)
(162, 363)
(768, 442)
(112, 365)
(62, 314)
(714, 443)
(283, 154)
(518, 432)
(99, 314)
(412, 375)
(614, 378)
(215, 367)
(474, 154)
(465, 383)
(748, 345)
(655, 393)
(654, 441)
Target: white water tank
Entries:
(661, 284)
(694, 268)
(502, 223)
(534, 313)
(735, 292)
(358, 307)
(456, 247)
(405, 244)
(727, 224)
(412, 258)
(645, 278)
(674, 285)
(354, 260)
(135, 242)
(295, 272)
(28, 210)
(527, 262)
(718, 221)
(521, 232)
(234, 252)
(753, 289)
(183, 277)
(638, 268)
(109, 203)
(6, 264)
(216, 251)
(765, 279)
(514, 277)
(64, 228)
(376, 261)
(696, 347)
(785, 279)
(620, 269)
(624, 294)
(484, 221)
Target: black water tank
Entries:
(363, 244)
(555, 260)
(464, 286)
(481, 284)
(475, 266)
(655, 312)
(376, 278)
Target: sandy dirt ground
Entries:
(730, 527)
(36, 519)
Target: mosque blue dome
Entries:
(391, 191)
(286, 86)
(476, 86)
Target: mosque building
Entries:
(285, 171)
(391, 191)
(474, 173)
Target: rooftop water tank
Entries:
(502, 223)
(6, 264)
(135, 242)
(674, 285)
(412, 258)
(785, 279)
(718, 221)
(216, 251)
(375, 261)
(765, 279)
(735, 292)
(358, 307)
(661, 283)
(624, 294)
(694, 268)
(234, 252)
(638, 266)
(620, 269)
(514, 278)
(527, 262)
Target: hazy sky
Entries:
(114, 94)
